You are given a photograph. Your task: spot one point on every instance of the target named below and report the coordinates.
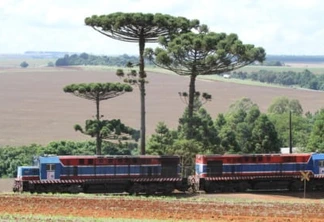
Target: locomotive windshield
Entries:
(35, 161)
(321, 163)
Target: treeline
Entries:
(296, 58)
(88, 59)
(121, 60)
(12, 157)
(271, 63)
(305, 79)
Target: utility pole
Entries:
(290, 133)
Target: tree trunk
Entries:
(142, 90)
(192, 91)
(98, 140)
(98, 145)
(97, 107)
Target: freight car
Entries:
(238, 173)
(101, 174)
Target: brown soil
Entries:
(178, 209)
(6, 185)
(34, 108)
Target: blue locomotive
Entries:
(228, 173)
(101, 174)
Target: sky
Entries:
(281, 27)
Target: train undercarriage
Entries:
(132, 186)
(219, 185)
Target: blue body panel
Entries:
(55, 162)
(256, 168)
(27, 171)
(315, 162)
(111, 170)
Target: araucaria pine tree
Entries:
(98, 92)
(140, 28)
(203, 53)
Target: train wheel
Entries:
(296, 186)
(228, 187)
(39, 189)
(243, 187)
(75, 189)
(310, 186)
(150, 189)
(210, 188)
(168, 189)
(136, 188)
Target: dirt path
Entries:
(193, 208)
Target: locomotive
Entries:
(101, 174)
(230, 173)
(151, 174)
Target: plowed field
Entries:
(200, 208)
(35, 109)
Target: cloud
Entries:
(281, 27)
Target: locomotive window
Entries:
(321, 163)
(110, 160)
(119, 160)
(81, 161)
(90, 161)
(260, 158)
(50, 167)
(100, 160)
(134, 160)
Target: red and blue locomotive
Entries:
(101, 174)
(228, 173)
(161, 174)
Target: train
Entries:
(153, 174)
(101, 174)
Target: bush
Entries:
(50, 64)
(24, 64)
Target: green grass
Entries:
(312, 68)
(238, 81)
(40, 218)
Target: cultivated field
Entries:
(218, 207)
(34, 108)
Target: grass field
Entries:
(314, 68)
